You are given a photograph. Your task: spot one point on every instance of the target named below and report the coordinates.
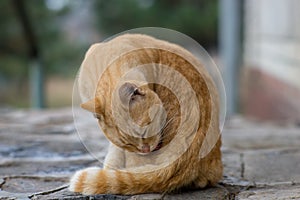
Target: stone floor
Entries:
(40, 150)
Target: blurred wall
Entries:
(271, 81)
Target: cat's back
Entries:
(100, 55)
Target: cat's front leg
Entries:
(115, 158)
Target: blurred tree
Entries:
(58, 54)
(196, 18)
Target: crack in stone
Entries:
(242, 165)
(36, 177)
(2, 182)
(49, 191)
(233, 191)
(231, 196)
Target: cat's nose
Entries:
(145, 148)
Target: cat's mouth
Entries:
(158, 146)
(146, 149)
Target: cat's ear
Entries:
(94, 107)
(127, 91)
(90, 105)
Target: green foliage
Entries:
(11, 43)
(60, 55)
(196, 18)
(57, 54)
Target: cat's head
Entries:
(132, 119)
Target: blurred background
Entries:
(255, 43)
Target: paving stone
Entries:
(272, 165)
(29, 184)
(33, 141)
(47, 137)
(13, 196)
(232, 167)
(44, 167)
(285, 192)
(209, 194)
(66, 195)
(40, 150)
(37, 117)
(257, 137)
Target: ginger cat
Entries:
(159, 108)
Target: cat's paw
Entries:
(83, 181)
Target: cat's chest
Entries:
(136, 160)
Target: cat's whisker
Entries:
(168, 122)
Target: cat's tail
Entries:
(109, 181)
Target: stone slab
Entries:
(31, 184)
(272, 165)
(37, 117)
(232, 167)
(209, 194)
(66, 195)
(261, 137)
(286, 192)
(39, 150)
(45, 168)
(27, 140)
